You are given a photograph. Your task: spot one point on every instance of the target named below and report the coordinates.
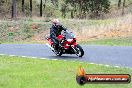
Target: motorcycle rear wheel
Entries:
(58, 53)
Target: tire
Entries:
(79, 50)
(58, 53)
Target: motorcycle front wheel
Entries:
(79, 51)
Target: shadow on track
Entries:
(65, 57)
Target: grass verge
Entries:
(18, 72)
(32, 29)
(111, 42)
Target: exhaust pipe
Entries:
(50, 46)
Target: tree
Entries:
(54, 2)
(119, 3)
(63, 9)
(14, 9)
(45, 4)
(1, 4)
(41, 10)
(124, 2)
(93, 7)
(23, 6)
(30, 7)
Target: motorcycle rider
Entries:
(55, 31)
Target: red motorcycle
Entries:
(67, 44)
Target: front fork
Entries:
(76, 52)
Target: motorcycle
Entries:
(67, 44)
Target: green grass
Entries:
(18, 72)
(111, 42)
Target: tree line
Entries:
(74, 8)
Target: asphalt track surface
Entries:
(108, 55)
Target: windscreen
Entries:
(68, 34)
